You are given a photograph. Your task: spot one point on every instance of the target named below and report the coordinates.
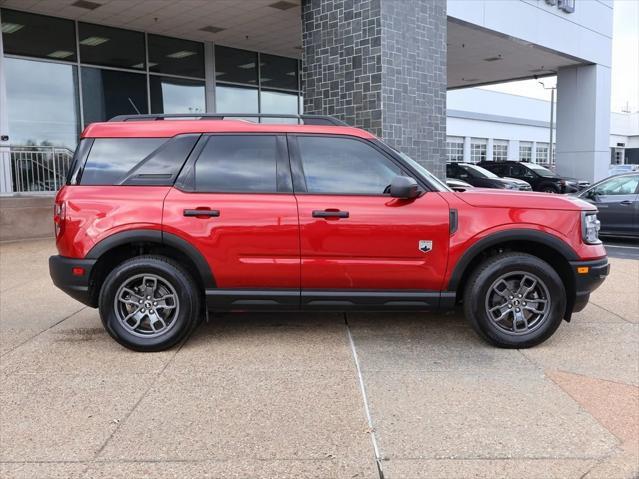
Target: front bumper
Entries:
(588, 276)
(65, 273)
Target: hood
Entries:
(514, 180)
(491, 198)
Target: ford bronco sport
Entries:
(161, 221)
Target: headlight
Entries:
(590, 226)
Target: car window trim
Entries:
(297, 168)
(185, 181)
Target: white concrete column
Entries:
(533, 154)
(513, 150)
(489, 149)
(467, 149)
(583, 121)
(6, 185)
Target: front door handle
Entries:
(330, 214)
(626, 203)
(202, 213)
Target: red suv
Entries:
(163, 220)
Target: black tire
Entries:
(479, 288)
(549, 188)
(180, 319)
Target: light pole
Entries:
(552, 115)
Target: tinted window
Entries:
(278, 72)
(625, 185)
(107, 93)
(38, 35)
(237, 66)
(110, 159)
(175, 56)
(238, 163)
(344, 166)
(110, 46)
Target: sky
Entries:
(625, 63)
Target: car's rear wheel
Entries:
(149, 303)
(515, 300)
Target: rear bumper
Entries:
(588, 279)
(76, 285)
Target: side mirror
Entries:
(404, 187)
(593, 194)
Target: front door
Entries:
(616, 200)
(361, 248)
(233, 201)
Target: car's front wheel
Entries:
(515, 300)
(149, 303)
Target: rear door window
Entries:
(239, 164)
(111, 159)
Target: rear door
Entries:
(361, 248)
(234, 202)
(616, 200)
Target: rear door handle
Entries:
(330, 214)
(626, 203)
(202, 213)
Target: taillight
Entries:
(59, 216)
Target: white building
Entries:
(490, 125)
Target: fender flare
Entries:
(158, 237)
(521, 234)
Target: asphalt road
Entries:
(622, 248)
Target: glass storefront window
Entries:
(175, 56)
(233, 99)
(235, 66)
(175, 95)
(38, 35)
(107, 93)
(278, 72)
(42, 103)
(278, 102)
(113, 47)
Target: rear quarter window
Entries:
(111, 159)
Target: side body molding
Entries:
(158, 237)
(529, 235)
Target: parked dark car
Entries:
(617, 199)
(540, 178)
(482, 178)
(457, 185)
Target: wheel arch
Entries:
(124, 245)
(543, 245)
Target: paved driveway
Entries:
(330, 395)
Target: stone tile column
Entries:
(380, 65)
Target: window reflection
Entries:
(107, 93)
(175, 56)
(115, 47)
(236, 66)
(278, 72)
(175, 95)
(42, 103)
(38, 35)
(231, 99)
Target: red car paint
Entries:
(272, 240)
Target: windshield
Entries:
(540, 170)
(478, 171)
(434, 181)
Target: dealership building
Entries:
(382, 65)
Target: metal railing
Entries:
(39, 168)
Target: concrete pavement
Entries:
(324, 395)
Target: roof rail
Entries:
(301, 119)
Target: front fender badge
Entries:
(425, 246)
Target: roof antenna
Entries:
(133, 105)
